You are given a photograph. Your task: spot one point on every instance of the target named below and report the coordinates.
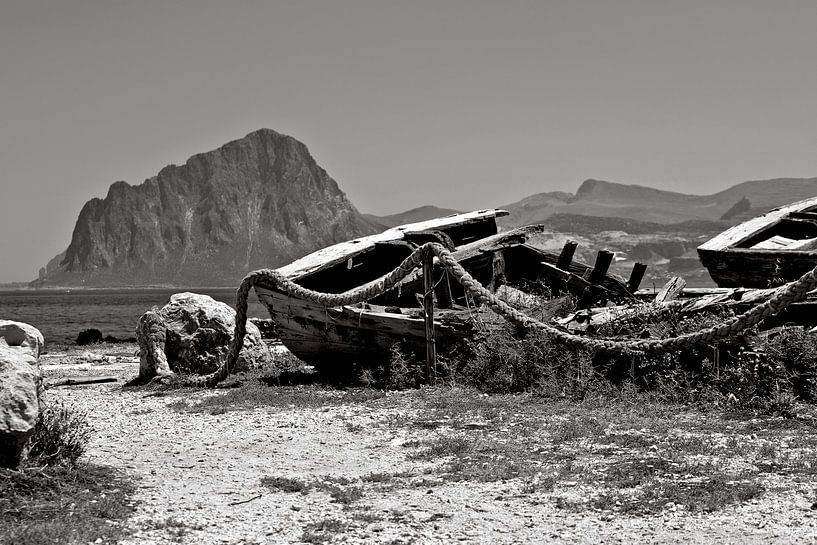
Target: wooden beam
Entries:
(572, 280)
(636, 276)
(603, 261)
(79, 381)
(498, 271)
(428, 308)
(443, 290)
(566, 257)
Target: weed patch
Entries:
(252, 395)
(64, 504)
(323, 530)
(60, 437)
(285, 484)
(711, 495)
(341, 489)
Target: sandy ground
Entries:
(199, 477)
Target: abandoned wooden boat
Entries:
(367, 331)
(766, 251)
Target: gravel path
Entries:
(199, 480)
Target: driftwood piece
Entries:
(79, 381)
(671, 290)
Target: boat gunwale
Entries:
(759, 252)
(337, 253)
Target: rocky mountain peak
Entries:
(259, 201)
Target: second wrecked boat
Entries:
(499, 261)
(765, 251)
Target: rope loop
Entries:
(783, 297)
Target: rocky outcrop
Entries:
(261, 201)
(25, 336)
(742, 206)
(19, 399)
(194, 332)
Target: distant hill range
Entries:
(263, 201)
(601, 199)
(260, 201)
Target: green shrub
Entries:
(402, 371)
(60, 437)
(795, 351)
(770, 377)
(509, 360)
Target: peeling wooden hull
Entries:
(324, 336)
(367, 332)
(745, 255)
(736, 267)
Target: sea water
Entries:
(61, 314)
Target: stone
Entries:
(19, 401)
(196, 335)
(22, 335)
(151, 337)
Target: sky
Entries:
(458, 103)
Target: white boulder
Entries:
(19, 401)
(198, 333)
(23, 335)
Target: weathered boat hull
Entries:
(768, 250)
(327, 336)
(367, 332)
(734, 268)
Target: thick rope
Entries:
(784, 296)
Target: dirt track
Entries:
(199, 464)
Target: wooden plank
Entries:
(740, 299)
(489, 244)
(498, 271)
(636, 276)
(600, 268)
(342, 251)
(443, 290)
(566, 257)
(319, 334)
(428, 308)
(572, 280)
(743, 267)
(671, 290)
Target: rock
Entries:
(19, 401)
(196, 337)
(89, 336)
(151, 336)
(23, 335)
(260, 201)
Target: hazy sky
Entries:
(462, 104)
